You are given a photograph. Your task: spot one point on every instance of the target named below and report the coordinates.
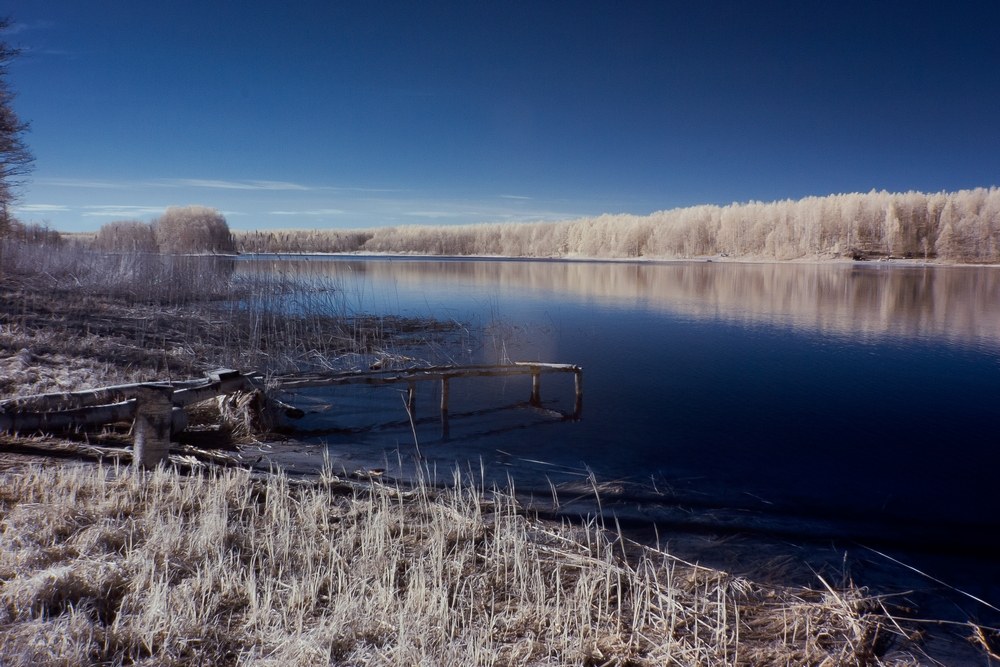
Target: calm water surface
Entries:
(852, 404)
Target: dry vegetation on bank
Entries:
(108, 565)
(180, 229)
(961, 226)
(112, 566)
(72, 317)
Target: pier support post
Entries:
(444, 408)
(578, 386)
(151, 429)
(178, 420)
(536, 388)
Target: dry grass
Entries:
(113, 566)
(72, 318)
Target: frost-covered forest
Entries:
(961, 226)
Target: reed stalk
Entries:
(112, 566)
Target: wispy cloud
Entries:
(208, 184)
(219, 184)
(61, 53)
(438, 214)
(81, 183)
(215, 184)
(42, 208)
(120, 211)
(449, 211)
(24, 26)
(312, 212)
(266, 202)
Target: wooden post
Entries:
(444, 398)
(578, 386)
(536, 388)
(444, 408)
(178, 420)
(153, 418)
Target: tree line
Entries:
(962, 226)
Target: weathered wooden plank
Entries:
(429, 373)
(184, 397)
(104, 405)
(151, 431)
(73, 399)
(31, 421)
(229, 380)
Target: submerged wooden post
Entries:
(444, 398)
(536, 388)
(444, 408)
(578, 386)
(153, 419)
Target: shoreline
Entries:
(844, 261)
(93, 345)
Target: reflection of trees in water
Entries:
(954, 303)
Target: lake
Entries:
(853, 405)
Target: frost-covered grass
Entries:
(115, 566)
(73, 318)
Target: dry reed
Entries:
(112, 566)
(72, 317)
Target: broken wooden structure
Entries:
(157, 409)
(445, 374)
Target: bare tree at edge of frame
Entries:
(16, 160)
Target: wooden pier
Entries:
(445, 375)
(158, 408)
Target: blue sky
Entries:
(349, 114)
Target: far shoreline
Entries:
(704, 259)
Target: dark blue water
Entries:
(846, 405)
